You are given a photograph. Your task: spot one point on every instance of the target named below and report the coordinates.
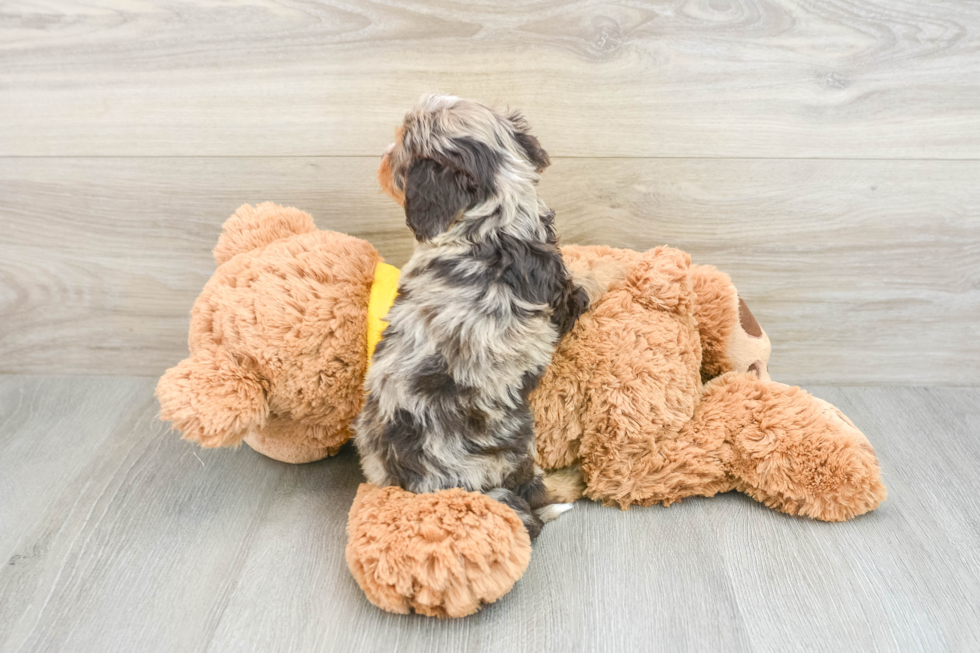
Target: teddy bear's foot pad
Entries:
(442, 554)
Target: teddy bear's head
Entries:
(277, 339)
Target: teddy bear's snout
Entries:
(761, 369)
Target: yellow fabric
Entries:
(383, 293)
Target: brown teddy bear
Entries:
(660, 392)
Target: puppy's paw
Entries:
(552, 512)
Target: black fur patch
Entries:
(529, 382)
(534, 271)
(404, 457)
(478, 163)
(529, 487)
(434, 196)
(519, 505)
(438, 191)
(432, 379)
(533, 150)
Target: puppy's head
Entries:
(447, 157)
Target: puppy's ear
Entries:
(532, 148)
(438, 190)
(535, 153)
(435, 194)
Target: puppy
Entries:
(481, 305)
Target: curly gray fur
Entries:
(481, 305)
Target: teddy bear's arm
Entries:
(212, 398)
(786, 448)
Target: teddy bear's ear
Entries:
(252, 227)
(212, 398)
(731, 338)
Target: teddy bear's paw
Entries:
(859, 487)
(802, 456)
(212, 398)
(295, 442)
(442, 554)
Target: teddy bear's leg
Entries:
(633, 449)
(295, 441)
(634, 367)
(212, 398)
(443, 554)
(252, 227)
(558, 400)
(791, 451)
(731, 338)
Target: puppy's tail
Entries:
(552, 511)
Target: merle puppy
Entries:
(481, 305)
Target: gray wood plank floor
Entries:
(117, 536)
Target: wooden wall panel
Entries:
(697, 78)
(861, 271)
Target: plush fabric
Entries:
(444, 554)
(277, 339)
(659, 392)
(624, 401)
(787, 449)
(717, 317)
(383, 293)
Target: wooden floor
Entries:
(117, 536)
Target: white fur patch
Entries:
(552, 512)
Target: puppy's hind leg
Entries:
(537, 501)
(532, 522)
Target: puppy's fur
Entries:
(480, 308)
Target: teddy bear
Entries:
(661, 391)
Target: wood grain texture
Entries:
(696, 78)
(861, 271)
(120, 537)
